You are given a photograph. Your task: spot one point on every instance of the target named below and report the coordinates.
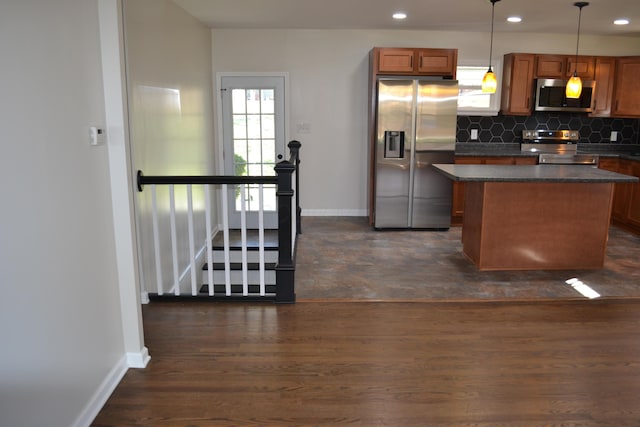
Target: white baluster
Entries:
(174, 241)
(192, 241)
(243, 233)
(225, 232)
(207, 212)
(156, 239)
(261, 236)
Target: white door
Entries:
(253, 115)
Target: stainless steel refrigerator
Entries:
(416, 127)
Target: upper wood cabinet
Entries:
(416, 61)
(550, 66)
(626, 98)
(586, 67)
(563, 66)
(437, 62)
(603, 93)
(517, 84)
(395, 61)
(617, 88)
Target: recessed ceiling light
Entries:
(399, 15)
(621, 21)
(514, 19)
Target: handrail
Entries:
(202, 179)
(289, 212)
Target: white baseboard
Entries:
(102, 394)
(334, 212)
(144, 297)
(138, 360)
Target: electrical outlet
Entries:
(474, 134)
(614, 135)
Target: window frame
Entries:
(494, 107)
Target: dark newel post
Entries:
(294, 148)
(285, 270)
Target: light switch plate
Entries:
(474, 134)
(303, 127)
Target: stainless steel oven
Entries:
(556, 147)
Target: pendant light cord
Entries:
(578, 40)
(493, 9)
(580, 5)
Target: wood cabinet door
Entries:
(517, 84)
(627, 88)
(528, 160)
(457, 202)
(633, 195)
(550, 66)
(396, 61)
(437, 62)
(586, 67)
(620, 190)
(500, 160)
(603, 94)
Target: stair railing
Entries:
(287, 182)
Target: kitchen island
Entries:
(539, 217)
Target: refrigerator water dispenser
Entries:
(393, 144)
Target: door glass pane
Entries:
(253, 101)
(255, 152)
(268, 126)
(254, 143)
(268, 101)
(269, 153)
(239, 126)
(253, 126)
(239, 99)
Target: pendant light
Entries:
(489, 82)
(574, 85)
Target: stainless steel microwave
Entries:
(550, 96)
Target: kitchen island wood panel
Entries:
(536, 226)
(542, 217)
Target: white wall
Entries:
(61, 337)
(171, 120)
(329, 75)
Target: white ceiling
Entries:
(539, 16)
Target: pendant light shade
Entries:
(574, 85)
(490, 82)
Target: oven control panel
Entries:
(552, 136)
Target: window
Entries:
(471, 100)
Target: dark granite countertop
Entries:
(533, 173)
(474, 149)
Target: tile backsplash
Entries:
(508, 129)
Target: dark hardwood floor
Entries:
(564, 363)
(397, 329)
